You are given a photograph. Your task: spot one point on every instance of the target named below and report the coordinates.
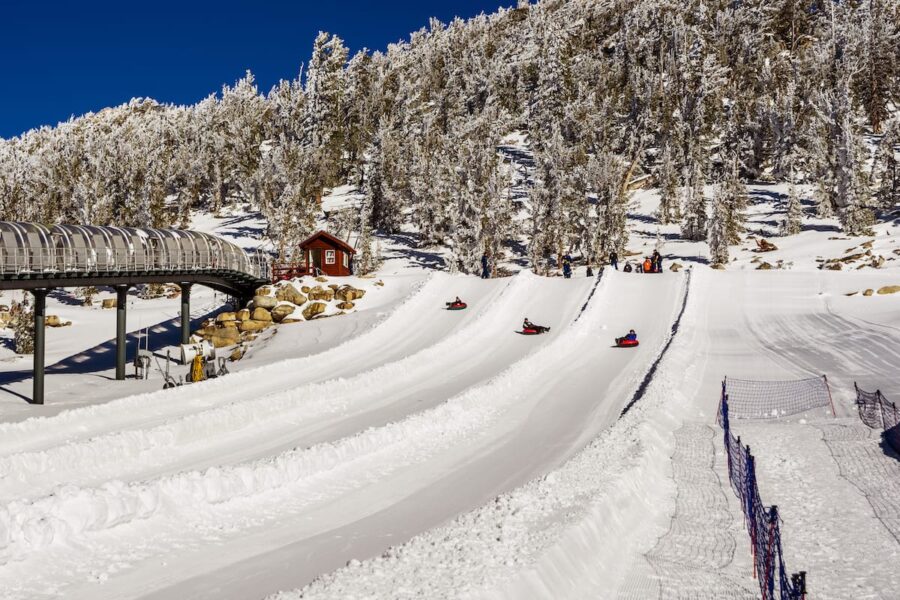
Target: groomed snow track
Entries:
(267, 478)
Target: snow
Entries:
(403, 450)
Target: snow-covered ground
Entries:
(403, 450)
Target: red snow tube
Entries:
(457, 306)
(534, 330)
(623, 343)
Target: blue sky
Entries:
(63, 58)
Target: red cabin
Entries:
(322, 254)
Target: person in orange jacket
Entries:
(648, 265)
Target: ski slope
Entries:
(427, 414)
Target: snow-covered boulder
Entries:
(280, 312)
(314, 309)
(889, 289)
(261, 314)
(253, 325)
(265, 302)
(290, 294)
(321, 294)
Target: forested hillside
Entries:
(693, 93)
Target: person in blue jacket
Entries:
(632, 336)
(567, 267)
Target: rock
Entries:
(227, 336)
(243, 314)
(764, 245)
(253, 325)
(205, 332)
(52, 321)
(5, 316)
(321, 279)
(237, 355)
(675, 267)
(320, 293)
(379, 283)
(266, 302)
(765, 267)
(305, 289)
(108, 303)
(718, 267)
(833, 266)
(226, 317)
(334, 286)
(264, 291)
(314, 309)
(346, 306)
(288, 321)
(261, 314)
(877, 262)
(868, 292)
(281, 311)
(851, 293)
(868, 244)
(889, 289)
(290, 294)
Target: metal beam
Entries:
(121, 341)
(185, 312)
(40, 312)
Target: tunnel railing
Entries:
(43, 260)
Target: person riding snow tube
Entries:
(457, 305)
(627, 341)
(529, 328)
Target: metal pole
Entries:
(185, 313)
(40, 312)
(121, 306)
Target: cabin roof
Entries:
(324, 235)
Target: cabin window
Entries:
(329, 257)
(346, 261)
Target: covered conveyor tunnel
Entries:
(38, 258)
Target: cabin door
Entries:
(315, 258)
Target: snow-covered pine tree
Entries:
(793, 223)
(718, 231)
(887, 166)
(326, 83)
(22, 323)
(839, 152)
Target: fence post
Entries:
(770, 552)
(747, 501)
(830, 400)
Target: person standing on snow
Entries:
(657, 261)
(485, 267)
(567, 266)
(614, 260)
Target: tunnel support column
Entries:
(185, 312)
(121, 340)
(40, 313)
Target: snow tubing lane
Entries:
(642, 389)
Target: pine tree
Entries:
(718, 230)
(887, 166)
(22, 323)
